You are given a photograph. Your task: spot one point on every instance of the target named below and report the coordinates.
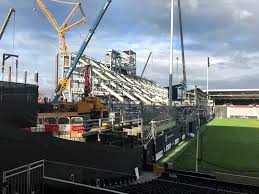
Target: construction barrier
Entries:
(50, 128)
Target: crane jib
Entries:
(62, 85)
(7, 19)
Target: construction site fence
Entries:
(157, 113)
(163, 124)
(221, 111)
(111, 122)
(92, 123)
(157, 127)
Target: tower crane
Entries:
(182, 41)
(63, 83)
(11, 11)
(65, 27)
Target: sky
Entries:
(224, 30)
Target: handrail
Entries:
(200, 187)
(160, 121)
(83, 185)
(89, 168)
(24, 166)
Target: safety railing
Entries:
(84, 175)
(31, 178)
(92, 123)
(112, 123)
(162, 125)
(67, 131)
(155, 127)
(25, 179)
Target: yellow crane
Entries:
(65, 27)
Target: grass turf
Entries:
(226, 145)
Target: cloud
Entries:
(243, 14)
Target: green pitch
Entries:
(226, 145)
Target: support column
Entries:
(197, 151)
(10, 74)
(208, 78)
(56, 71)
(36, 78)
(25, 77)
(16, 70)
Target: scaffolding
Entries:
(111, 81)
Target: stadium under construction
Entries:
(105, 129)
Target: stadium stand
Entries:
(55, 177)
(186, 184)
(236, 103)
(235, 96)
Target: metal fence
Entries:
(31, 178)
(111, 123)
(221, 111)
(83, 175)
(26, 179)
(156, 118)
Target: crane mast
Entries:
(182, 41)
(63, 83)
(62, 30)
(7, 19)
(63, 47)
(184, 81)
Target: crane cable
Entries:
(14, 20)
(64, 2)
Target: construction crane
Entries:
(63, 83)
(184, 82)
(146, 64)
(182, 41)
(7, 19)
(65, 27)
